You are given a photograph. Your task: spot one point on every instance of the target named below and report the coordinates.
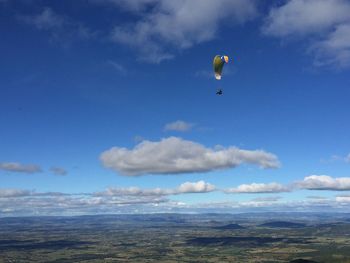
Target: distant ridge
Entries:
(230, 227)
(283, 224)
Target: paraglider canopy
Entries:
(218, 64)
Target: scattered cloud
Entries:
(61, 28)
(19, 202)
(46, 20)
(335, 49)
(259, 188)
(302, 17)
(267, 199)
(343, 199)
(197, 187)
(325, 182)
(180, 126)
(58, 171)
(187, 187)
(134, 191)
(337, 158)
(20, 168)
(169, 25)
(317, 197)
(14, 193)
(326, 24)
(174, 155)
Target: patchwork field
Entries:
(176, 238)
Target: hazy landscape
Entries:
(175, 131)
(295, 237)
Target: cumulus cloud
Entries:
(180, 126)
(325, 182)
(197, 187)
(327, 22)
(335, 49)
(174, 155)
(300, 17)
(58, 171)
(173, 25)
(259, 188)
(20, 168)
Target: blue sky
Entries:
(79, 78)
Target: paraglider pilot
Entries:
(219, 92)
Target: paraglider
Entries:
(218, 65)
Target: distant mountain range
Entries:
(230, 227)
(282, 224)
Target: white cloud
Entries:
(259, 188)
(301, 17)
(187, 187)
(316, 197)
(134, 191)
(18, 202)
(174, 156)
(326, 21)
(180, 126)
(197, 187)
(335, 49)
(178, 24)
(6, 193)
(267, 199)
(20, 168)
(343, 199)
(325, 182)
